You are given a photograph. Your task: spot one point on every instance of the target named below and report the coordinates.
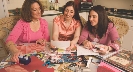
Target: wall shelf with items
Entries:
(86, 6)
(45, 4)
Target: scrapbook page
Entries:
(68, 62)
(60, 58)
(61, 44)
(27, 48)
(123, 59)
(105, 67)
(35, 64)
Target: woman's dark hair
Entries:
(76, 15)
(26, 9)
(103, 21)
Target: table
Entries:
(51, 60)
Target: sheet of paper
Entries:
(82, 51)
(61, 44)
(62, 51)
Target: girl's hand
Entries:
(87, 44)
(68, 49)
(41, 42)
(14, 55)
(72, 47)
(51, 46)
(104, 49)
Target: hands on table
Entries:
(67, 49)
(15, 53)
(101, 49)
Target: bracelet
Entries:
(85, 41)
(108, 48)
(10, 45)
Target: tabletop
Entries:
(53, 60)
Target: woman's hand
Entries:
(52, 46)
(72, 47)
(14, 55)
(87, 44)
(41, 42)
(104, 49)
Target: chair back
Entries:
(121, 26)
(6, 25)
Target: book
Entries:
(82, 51)
(106, 67)
(123, 59)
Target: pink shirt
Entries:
(64, 33)
(108, 39)
(22, 33)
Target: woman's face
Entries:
(93, 17)
(69, 12)
(35, 11)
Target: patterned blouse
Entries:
(66, 34)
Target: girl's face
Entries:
(69, 12)
(35, 11)
(93, 17)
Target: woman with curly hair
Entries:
(67, 26)
(31, 28)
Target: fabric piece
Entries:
(37, 64)
(2, 70)
(15, 68)
(66, 34)
(30, 48)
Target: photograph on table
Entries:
(60, 58)
(61, 51)
(72, 58)
(79, 65)
(30, 48)
(5, 64)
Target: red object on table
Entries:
(103, 67)
(35, 64)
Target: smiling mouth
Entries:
(67, 16)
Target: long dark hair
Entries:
(26, 9)
(76, 15)
(103, 21)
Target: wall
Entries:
(63, 2)
(3, 9)
(121, 4)
(12, 4)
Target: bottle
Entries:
(51, 6)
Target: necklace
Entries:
(34, 22)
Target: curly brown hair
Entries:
(26, 9)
